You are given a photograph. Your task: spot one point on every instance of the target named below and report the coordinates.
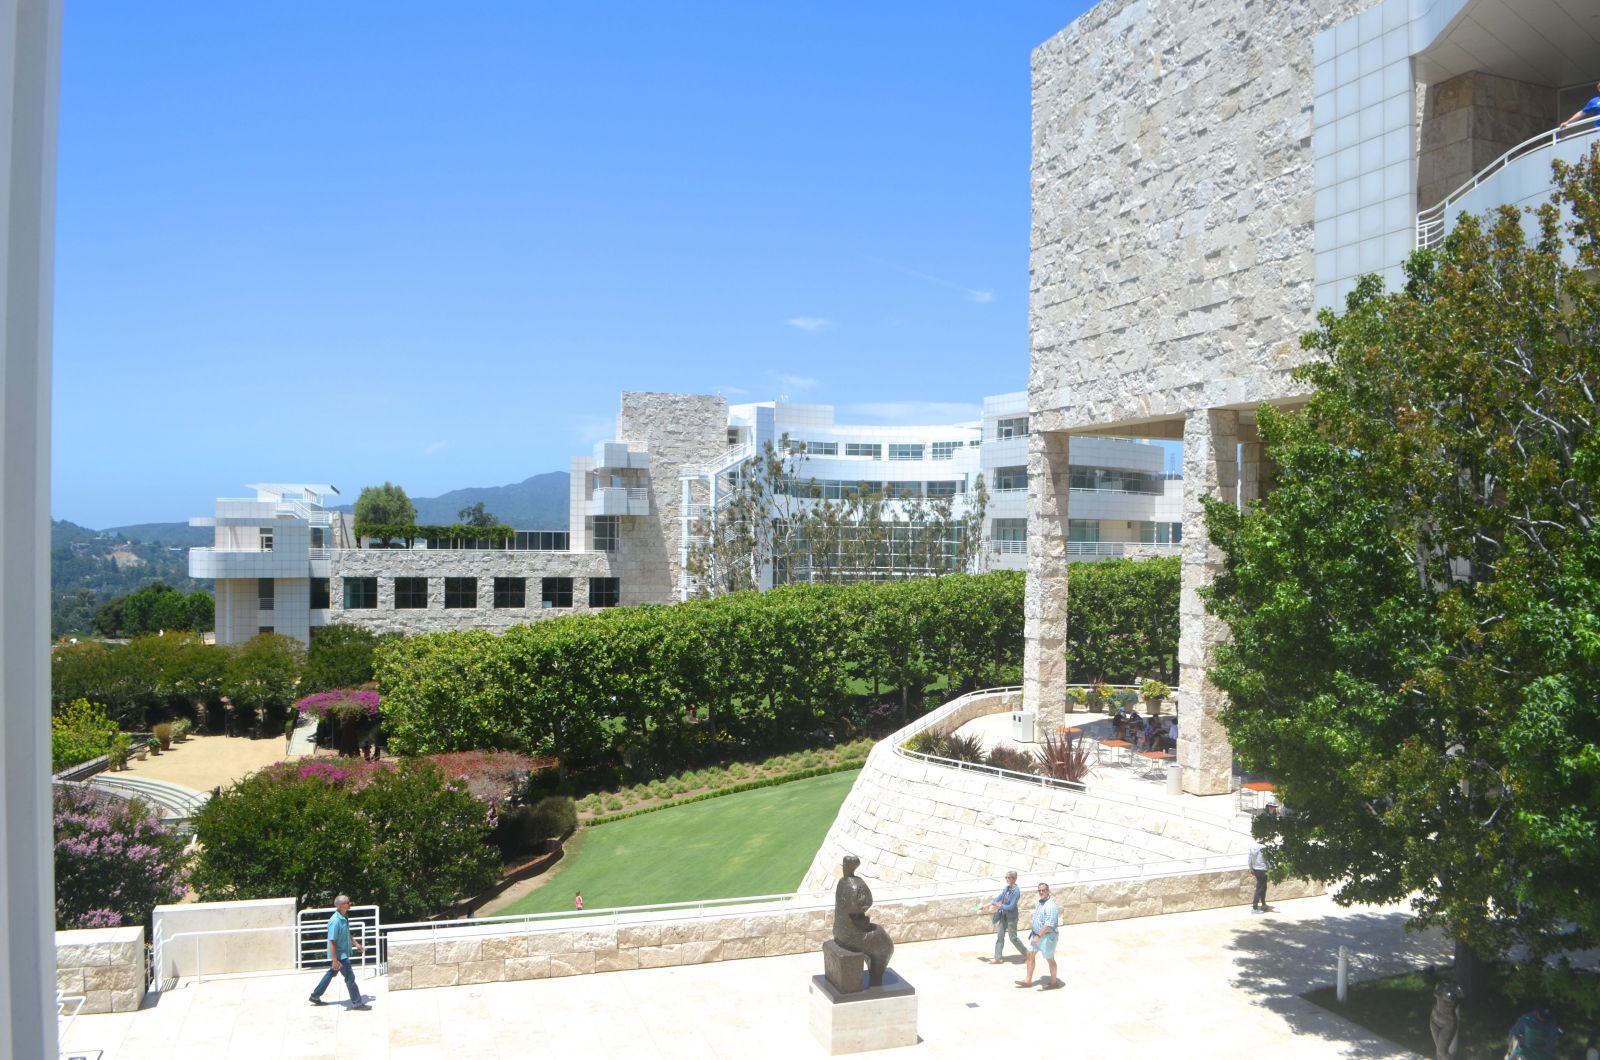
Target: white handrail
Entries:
(1430, 222)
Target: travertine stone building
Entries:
(1206, 176)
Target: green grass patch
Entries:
(1398, 1008)
(754, 842)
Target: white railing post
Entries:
(1342, 987)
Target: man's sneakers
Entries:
(359, 1006)
(317, 1001)
(362, 1007)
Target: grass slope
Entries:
(754, 842)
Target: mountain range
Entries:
(537, 503)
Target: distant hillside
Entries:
(537, 503)
(90, 568)
(166, 534)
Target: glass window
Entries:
(1011, 530)
(822, 448)
(511, 592)
(905, 490)
(460, 592)
(868, 449)
(1119, 480)
(945, 450)
(319, 594)
(947, 489)
(605, 592)
(360, 594)
(607, 529)
(266, 593)
(1083, 530)
(1011, 478)
(905, 451)
(555, 592)
(319, 537)
(264, 629)
(1011, 427)
(410, 594)
(266, 540)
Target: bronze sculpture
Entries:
(852, 929)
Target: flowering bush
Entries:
(341, 703)
(115, 861)
(490, 776)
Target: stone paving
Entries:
(1220, 982)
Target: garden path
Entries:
(205, 762)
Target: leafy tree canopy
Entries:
(387, 503)
(1415, 608)
(477, 515)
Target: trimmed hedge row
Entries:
(749, 785)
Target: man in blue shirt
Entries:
(1042, 938)
(1004, 907)
(339, 945)
(1590, 109)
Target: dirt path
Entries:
(205, 762)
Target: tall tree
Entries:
(477, 515)
(1415, 607)
(385, 505)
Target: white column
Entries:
(1044, 602)
(1210, 469)
(30, 58)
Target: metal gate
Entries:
(311, 936)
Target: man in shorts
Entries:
(1042, 937)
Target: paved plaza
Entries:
(1220, 982)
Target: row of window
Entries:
(411, 594)
(874, 450)
(1150, 533)
(837, 489)
(1088, 478)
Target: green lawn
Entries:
(754, 842)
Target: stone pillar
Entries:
(1256, 472)
(1471, 120)
(30, 58)
(1044, 602)
(1210, 469)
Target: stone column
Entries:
(1256, 472)
(1044, 602)
(30, 58)
(1210, 468)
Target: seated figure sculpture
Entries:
(851, 927)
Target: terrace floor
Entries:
(1220, 982)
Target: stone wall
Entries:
(104, 966)
(1172, 264)
(912, 821)
(1471, 120)
(437, 564)
(497, 953)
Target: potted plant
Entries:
(1099, 696)
(1076, 697)
(1154, 692)
(180, 729)
(140, 749)
(154, 745)
(164, 734)
(117, 753)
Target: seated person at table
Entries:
(1147, 736)
(1169, 739)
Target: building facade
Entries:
(1207, 176)
(284, 561)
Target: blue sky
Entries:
(431, 244)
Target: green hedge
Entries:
(749, 785)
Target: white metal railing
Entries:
(896, 744)
(1119, 548)
(1011, 548)
(638, 493)
(223, 942)
(1431, 222)
(67, 1006)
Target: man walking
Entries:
(1258, 868)
(1042, 937)
(339, 955)
(1004, 908)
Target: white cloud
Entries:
(981, 296)
(810, 325)
(732, 391)
(906, 413)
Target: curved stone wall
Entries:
(911, 820)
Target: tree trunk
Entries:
(1471, 971)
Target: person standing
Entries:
(1590, 109)
(1042, 937)
(1535, 1036)
(1004, 908)
(1258, 868)
(577, 900)
(339, 945)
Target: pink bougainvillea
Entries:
(114, 861)
(341, 703)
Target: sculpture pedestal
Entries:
(875, 1017)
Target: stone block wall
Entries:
(1471, 120)
(912, 821)
(104, 966)
(496, 953)
(263, 939)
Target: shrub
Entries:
(1064, 758)
(414, 838)
(342, 704)
(79, 732)
(115, 861)
(613, 804)
(1004, 756)
(163, 732)
(964, 748)
(738, 771)
(927, 742)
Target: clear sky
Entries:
(350, 242)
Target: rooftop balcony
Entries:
(1520, 177)
(618, 500)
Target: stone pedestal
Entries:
(874, 1017)
(1044, 601)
